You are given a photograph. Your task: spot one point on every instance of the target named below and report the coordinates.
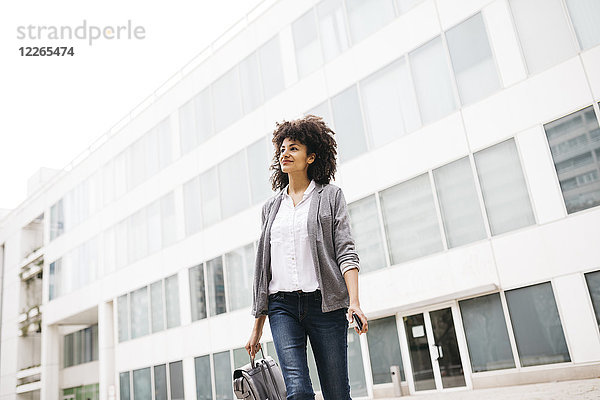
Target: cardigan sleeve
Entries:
(346, 255)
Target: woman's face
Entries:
(293, 157)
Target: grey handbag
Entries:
(261, 380)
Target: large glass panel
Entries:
(137, 167)
(87, 345)
(536, 324)
(172, 301)
(156, 302)
(575, 146)
(367, 16)
(593, 283)
(350, 135)
(197, 294)
(227, 99)
(191, 206)
(306, 43)
(547, 41)
(154, 227)
(444, 334)
(258, 171)
(233, 184)
(94, 342)
(203, 381)
(384, 349)
(151, 156)
(585, 15)
(165, 149)
(472, 59)
(432, 80)
(271, 69)
(503, 187)
(418, 349)
(250, 82)
(137, 230)
(332, 28)
(160, 382)
(121, 243)
(142, 390)
(139, 313)
(356, 371)
(68, 351)
(176, 380)
(241, 357)
(405, 5)
(366, 230)
(459, 205)
(168, 221)
(209, 191)
(56, 220)
(124, 386)
(223, 374)
(240, 274)
(216, 286)
(123, 311)
(322, 110)
(410, 220)
(487, 336)
(187, 127)
(389, 103)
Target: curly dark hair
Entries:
(314, 133)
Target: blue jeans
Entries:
(292, 317)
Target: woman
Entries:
(306, 274)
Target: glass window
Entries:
(241, 357)
(585, 15)
(216, 286)
(197, 295)
(459, 205)
(87, 345)
(271, 351)
(137, 166)
(223, 376)
(250, 83)
(366, 230)
(227, 99)
(139, 313)
(156, 301)
(120, 177)
(487, 336)
(472, 60)
(94, 342)
(432, 80)
(384, 349)
(188, 138)
(356, 371)
(271, 69)
(322, 110)
(57, 218)
(123, 311)
(349, 135)
(165, 149)
(68, 350)
(410, 220)
(176, 380)
(195, 121)
(547, 41)
(172, 301)
(503, 187)
(593, 283)
(233, 184)
(367, 16)
(137, 230)
(160, 382)
(168, 221)
(203, 380)
(332, 28)
(142, 390)
(124, 386)
(191, 206)
(306, 43)
(121, 243)
(389, 103)
(209, 191)
(154, 227)
(574, 142)
(536, 325)
(258, 171)
(240, 276)
(108, 186)
(151, 157)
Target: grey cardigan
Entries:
(331, 244)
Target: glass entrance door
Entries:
(433, 348)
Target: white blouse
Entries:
(292, 267)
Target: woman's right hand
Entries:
(253, 346)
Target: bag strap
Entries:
(252, 358)
(273, 383)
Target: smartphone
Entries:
(357, 320)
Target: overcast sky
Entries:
(53, 108)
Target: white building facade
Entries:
(469, 154)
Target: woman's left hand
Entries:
(356, 308)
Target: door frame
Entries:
(460, 338)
